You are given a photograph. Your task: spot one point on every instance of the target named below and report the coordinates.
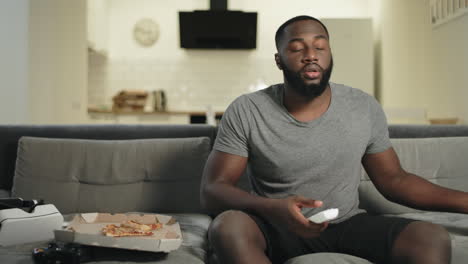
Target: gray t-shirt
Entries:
(320, 159)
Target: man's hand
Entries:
(219, 193)
(287, 213)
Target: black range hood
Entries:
(218, 28)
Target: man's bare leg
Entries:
(236, 239)
(422, 242)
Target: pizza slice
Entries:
(130, 228)
(144, 227)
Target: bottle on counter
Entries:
(149, 105)
(160, 102)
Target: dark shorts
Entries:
(363, 235)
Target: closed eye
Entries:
(296, 46)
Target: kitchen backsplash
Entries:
(191, 83)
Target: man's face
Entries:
(305, 58)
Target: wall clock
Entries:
(146, 32)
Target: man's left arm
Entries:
(399, 186)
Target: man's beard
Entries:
(310, 91)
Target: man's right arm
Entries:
(218, 189)
(219, 193)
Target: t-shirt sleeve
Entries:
(379, 138)
(233, 129)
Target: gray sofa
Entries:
(157, 168)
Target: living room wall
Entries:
(409, 56)
(417, 66)
(194, 79)
(450, 91)
(422, 67)
(14, 62)
(57, 61)
(44, 62)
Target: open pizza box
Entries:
(87, 228)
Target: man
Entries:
(302, 144)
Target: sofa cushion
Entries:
(194, 229)
(152, 175)
(439, 160)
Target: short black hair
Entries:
(280, 31)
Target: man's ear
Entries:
(278, 61)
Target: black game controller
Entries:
(60, 254)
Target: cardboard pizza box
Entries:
(86, 229)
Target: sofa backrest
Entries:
(449, 174)
(427, 131)
(10, 134)
(160, 175)
(430, 151)
(440, 160)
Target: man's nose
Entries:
(310, 55)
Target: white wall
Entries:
(124, 13)
(14, 61)
(405, 55)
(57, 61)
(44, 61)
(450, 92)
(417, 66)
(196, 78)
(406, 42)
(422, 68)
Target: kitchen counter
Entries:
(163, 117)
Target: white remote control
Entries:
(325, 215)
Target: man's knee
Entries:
(420, 242)
(220, 227)
(227, 226)
(236, 238)
(235, 227)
